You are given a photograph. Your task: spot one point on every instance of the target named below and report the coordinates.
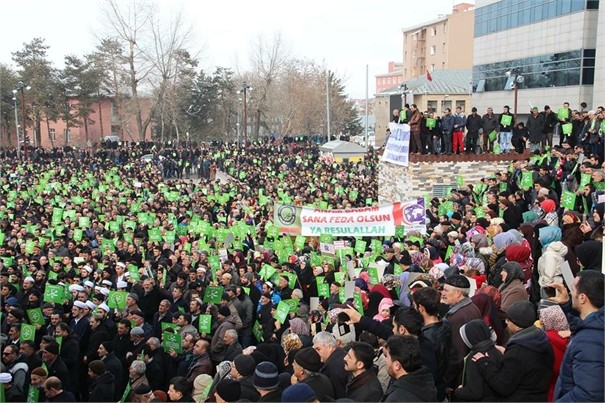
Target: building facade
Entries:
(387, 80)
(444, 43)
(447, 89)
(557, 46)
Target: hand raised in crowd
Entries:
(354, 316)
(563, 295)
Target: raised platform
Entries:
(469, 157)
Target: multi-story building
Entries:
(557, 46)
(387, 80)
(440, 44)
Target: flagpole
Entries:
(367, 135)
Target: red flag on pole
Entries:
(428, 76)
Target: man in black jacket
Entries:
(103, 383)
(55, 365)
(364, 385)
(527, 366)
(473, 124)
(113, 365)
(333, 359)
(411, 381)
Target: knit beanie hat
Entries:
(53, 348)
(229, 390)
(108, 345)
(223, 310)
(522, 314)
(266, 376)
(300, 392)
(244, 364)
(309, 359)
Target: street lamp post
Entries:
(404, 93)
(21, 86)
(17, 124)
(244, 90)
(517, 78)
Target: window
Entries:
(445, 27)
(431, 106)
(434, 31)
(52, 134)
(432, 67)
(67, 134)
(551, 70)
(444, 48)
(445, 104)
(433, 50)
(507, 14)
(461, 104)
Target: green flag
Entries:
(35, 316)
(53, 293)
(172, 341)
(213, 294)
(28, 332)
(568, 200)
(205, 324)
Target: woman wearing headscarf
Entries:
(500, 243)
(512, 288)
(572, 236)
(553, 255)
(479, 338)
(590, 254)
(549, 208)
(490, 314)
(522, 255)
(554, 322)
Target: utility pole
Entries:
(367, 90)
(328, 104)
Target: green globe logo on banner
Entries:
(286, 214)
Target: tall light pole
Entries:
(244, 90)
(404, 93)
(17, 125)
(21, 86)
(517, 78)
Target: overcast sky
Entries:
(346, 34)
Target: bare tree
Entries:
(268, 60)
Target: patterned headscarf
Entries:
(553, 318)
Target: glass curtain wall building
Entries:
(553, 44)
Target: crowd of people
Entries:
(493, 132)
(126, 278)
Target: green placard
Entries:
(35, 316)
(267, 272)
(373, 273)
(568, 200)
(28, 332)
(584, 180)
(281, 313)
(431, 123)
(506, 120)
(566, 128)
(323, 289)
(527, 180)
(563, 113)
(117, 299)
(257, 332)
(205, 324)
(213, 294)
(360, 246)
(172, 341)
(54, 293)
(155, 234)
(357, 301)
(399, 231)
(84, 222)
(133, 272)
(33, 394)
(166, 325)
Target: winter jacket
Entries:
(526, 369)
(459, 314)
(473, 124)
(217, 346)
(365, 387)
(447, 123)
(417, 386)
(202, 365)
(440, 336)
(489, 123)
(507, 128)
(581, 374)
(114, 366)
(559, 345)
(102, 388)
(478, 338)
(248, 391)
(321, 385)
(549, 264)
(535, 127)
(335, 371)
(513, 292)
(550, 120)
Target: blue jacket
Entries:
(581, 374)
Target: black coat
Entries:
(102, 389)
(114, 366)
(321, 385)
(149, 303)
(273, 396)
(525, 372)
(334, 369)
(475, 388)
(365, 388)
(417, 386)
(59, 370)
(248, 391)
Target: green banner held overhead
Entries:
(213, 294)
(205, 324)
(172, 341)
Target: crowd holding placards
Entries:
(132, 273)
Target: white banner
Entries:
(397, 149)
(376, 220)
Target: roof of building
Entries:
(338, 146)
(426, 24)
(444, 82)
